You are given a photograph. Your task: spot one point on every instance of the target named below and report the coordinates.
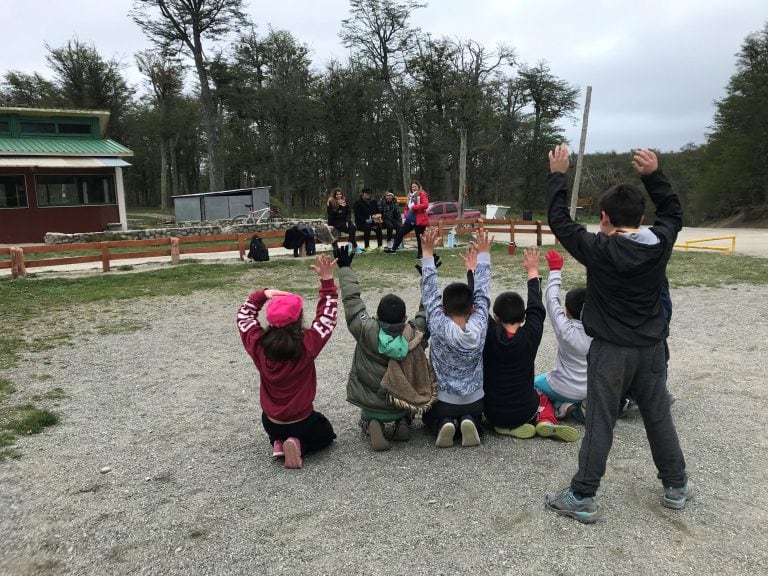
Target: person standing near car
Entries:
(415, 217)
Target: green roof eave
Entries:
(59, 146)
(101, 115)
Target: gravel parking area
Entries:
(160, 465)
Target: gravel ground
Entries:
(172, 410)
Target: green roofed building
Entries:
(58, 174)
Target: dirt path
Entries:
(172, 410)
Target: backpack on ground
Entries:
(309, 240)
(258, 251)
(293, 240)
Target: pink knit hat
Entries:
(284, 310)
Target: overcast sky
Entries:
(655, 66)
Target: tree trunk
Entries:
(174, 165)
(405, 154)
(164, 195)
(210, 120)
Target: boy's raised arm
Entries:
(669, 212)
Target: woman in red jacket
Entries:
(415, 217)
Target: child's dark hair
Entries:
(286, 343)
(574, 302)
(457, 299)
(509, 308)
(624, 205)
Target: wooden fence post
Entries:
(18, 269)
(105, 257)
(175, 258)
(241, 245)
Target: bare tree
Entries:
(165, 77)
(379, 33)
(183, 25)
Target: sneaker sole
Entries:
(469, 434)
(673, 504)
(445, 436)
(522, 432)
(583, 517)
(564, 433)
(378, 442)
(293, 457)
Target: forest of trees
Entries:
(223, 107)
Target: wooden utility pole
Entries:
(462, 171)
(579, 159)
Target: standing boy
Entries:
(623, 313)
(457, 324)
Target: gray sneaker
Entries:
(675, 498)
(565, 503)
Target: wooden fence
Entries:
(174, 246)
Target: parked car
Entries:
(448, 210)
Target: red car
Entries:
(447, 210)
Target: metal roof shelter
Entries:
(220, 205)
(58, 173)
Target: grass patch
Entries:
(25, 302)
(6, 388)
(26, 419)
(7, 450)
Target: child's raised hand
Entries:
(645, 161)
(470, 260)
(324, 266)
(554, 259)
(483, 241)
(429, 240)
(559, 159)
(272, 292)
(531, 261)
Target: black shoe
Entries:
(389, 250)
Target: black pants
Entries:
(314, 432)
(441, 410)
(406, 229)
(392, 230)
(367, 229)
(350, 229)
(615, 370)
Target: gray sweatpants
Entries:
(612, 371)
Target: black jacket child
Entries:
(508, 365)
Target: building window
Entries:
(82, 129)
(5, 127)
(13, 192)
(38, 127)
(74, 190)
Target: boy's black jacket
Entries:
(624, 278)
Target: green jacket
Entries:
(364, 387)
